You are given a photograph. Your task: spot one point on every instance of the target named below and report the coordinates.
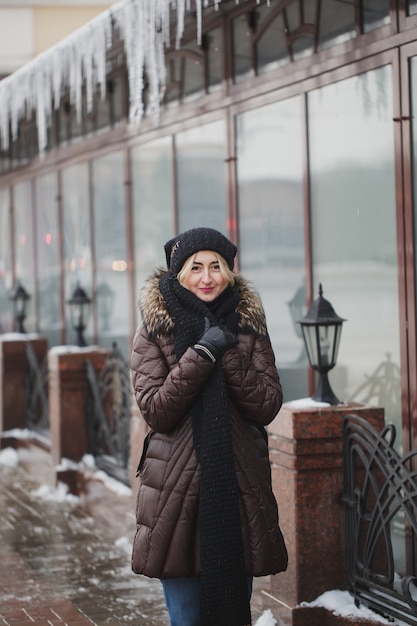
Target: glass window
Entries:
(354, 241)
(375, 13)
(76, 239)
(201, 177)
(193, 69)
(411, 7)
(271, 232)
(110, 233)
(352, 189)
(153, 206)
(242, 47)
(6, 283)
(337, 23)
(24, 247)
(215, 54)
(271, 47)
(48, 259)
(413, 96)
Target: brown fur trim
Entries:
(158, 321)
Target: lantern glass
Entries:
(322, 345)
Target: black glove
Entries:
(214, 343)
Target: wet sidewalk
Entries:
(65, 561)
(60, 566)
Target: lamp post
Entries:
(19, 298)
(322, 328)
(79, 305)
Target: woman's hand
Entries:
(215, 341)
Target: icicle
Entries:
(144, 25)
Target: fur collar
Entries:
(158, 321)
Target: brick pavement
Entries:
(60, 565)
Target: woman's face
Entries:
(205, 279)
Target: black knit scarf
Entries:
(224, 591)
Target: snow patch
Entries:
(125, 544)
(71, 349)
(305, 403)
(113, 484)
(58, 494)
(266, 619)
(9, 457)
(342, 603)
(18, 336)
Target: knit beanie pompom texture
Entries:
(180, 248)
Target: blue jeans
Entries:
(182, 597)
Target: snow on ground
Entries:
(60, 493)
(342, 603)
(266, 619)
(337, 601)
(9, 457)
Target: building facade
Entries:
(288, 125)
(29, 27)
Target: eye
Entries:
(216, 267)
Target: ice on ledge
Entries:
(66, 349)
(305, 403)
(19, 336)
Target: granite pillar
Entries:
(13, 372)
(307, 472)
(68, 394)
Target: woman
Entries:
(205, 381)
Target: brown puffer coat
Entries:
(166, 544)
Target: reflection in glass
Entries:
(48, 259)
(411, 7)
(375, 13)
(242, 47)
(201, 182)
(110, 247)
(337, 23)
(215, 53)
(271, 47)
(6, 321)
(153, 206)
(76, 236)
(271, 232)
(353, 191)
(24, 247)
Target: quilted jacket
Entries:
(166, 543)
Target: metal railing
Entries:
(108, 415)
(36, 393)
(380, 487)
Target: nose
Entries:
(206, 278)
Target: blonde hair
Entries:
(225, 270)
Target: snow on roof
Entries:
(144, 26)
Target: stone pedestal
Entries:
(307, 473)
(68, 389)
(13, 371)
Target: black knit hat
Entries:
(179, 248)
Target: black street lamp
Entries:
(322, 328)
(79, 305)
(19, 298)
